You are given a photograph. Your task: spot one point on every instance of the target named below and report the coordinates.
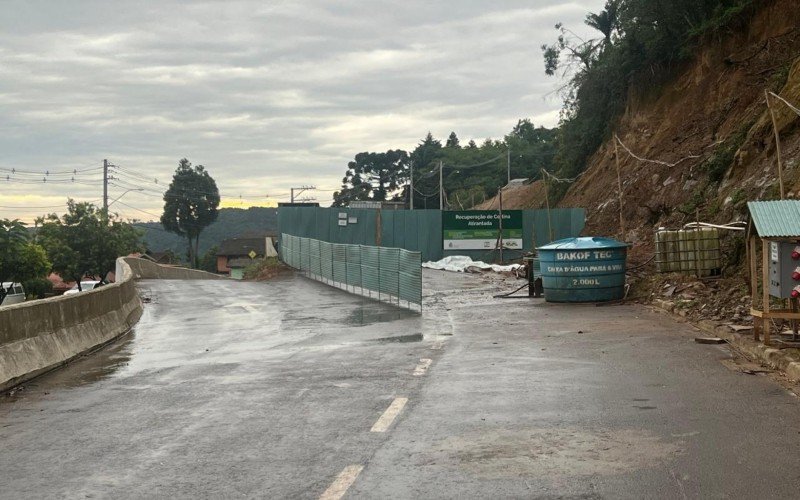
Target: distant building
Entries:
(59, 285)
(235, 254)
(167, 257)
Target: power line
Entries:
(47, 206)
(47, 172)
(136, 176)
(139, 210)
(477, 164)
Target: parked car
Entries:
(85, 287)
(15, 295)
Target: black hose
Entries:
(509, 294)
(642, 265)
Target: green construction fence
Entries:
(419, 230)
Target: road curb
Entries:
(785, 360)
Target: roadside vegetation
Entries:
(265, 269)
(21, 259)
(83, 242)
(471, 172)
(640, 45)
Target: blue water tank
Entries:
(583, 270)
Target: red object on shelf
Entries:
(796, 253)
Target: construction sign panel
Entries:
(480, 229)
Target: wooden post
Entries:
(500, 194)
(765, 291)
(619, 187)
(751, 259)
(697, 243)
(547, 204)
(378, 229)
(777, 143)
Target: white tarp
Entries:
(461, 263)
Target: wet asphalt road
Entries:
(270, 390)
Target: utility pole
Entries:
(441, 187)
(300, 190)
(777, 143)
(508, 163)
(411, 191)
(105, 187)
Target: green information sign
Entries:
(479, 229)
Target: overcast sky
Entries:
(266, 94)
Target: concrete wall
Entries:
(40, 335)
(145, 269)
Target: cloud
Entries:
(266, 95)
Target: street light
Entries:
(123, 194)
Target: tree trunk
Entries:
(191, 252)
(196, 251)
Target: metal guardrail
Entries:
(388, 274)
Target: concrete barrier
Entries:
(145, 269)
(41, 335)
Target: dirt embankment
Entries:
(521, 197)
(712, 122)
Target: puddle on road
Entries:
(371, 313)
(87, 369)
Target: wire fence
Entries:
(388, 274)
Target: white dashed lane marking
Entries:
(391, 413)
(422, 367)
(343, 481)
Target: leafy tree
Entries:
(85, 241)
(532, 148)
(20, 259)
(426, 180)
(37, 288)
(190, 204)
(373, 176)
(209, 260)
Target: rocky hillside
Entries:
(711, 127)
